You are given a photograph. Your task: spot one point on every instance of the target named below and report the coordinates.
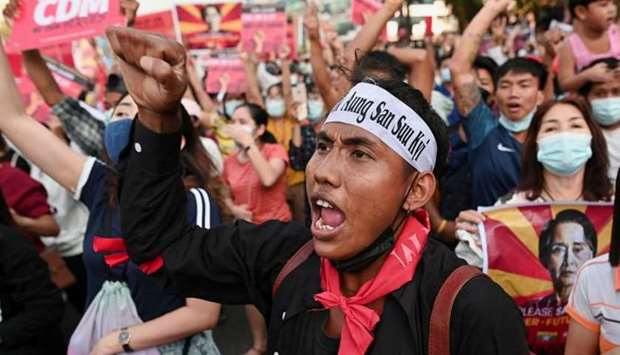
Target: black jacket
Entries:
(31, 306)
(238, 264)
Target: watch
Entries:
(123, 338)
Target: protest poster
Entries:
(209, 26)
(159, 22)
(47, 23)
(534, 251)
(269, 21)
(70, 82)
(217, 65)
(363, 8)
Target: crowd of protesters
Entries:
(523, 107)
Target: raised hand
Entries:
(394, 5)
(129, 8)
(284, 52)
(153, 68)
(311, 23)
(500, 6)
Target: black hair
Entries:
(260, 117)
(488, 64)
(115, 83)
(415, 100)
(5, 215)
(524, 66)
(567, 216)
(378, 62)
(614, 248)
(573, 4)
(611, 62)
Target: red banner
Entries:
(533, 252)
(270, 21)
(159, 22)
(212, 26)
(363, 8)
(70, 82)
(46, 23)
(219, 65)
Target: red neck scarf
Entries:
(398, 269)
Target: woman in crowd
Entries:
(170, 319)
(256, 175)
(570, 166)
(30, 305)
(594, 304)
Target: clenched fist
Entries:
(153, 68)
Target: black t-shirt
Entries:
(238, 264)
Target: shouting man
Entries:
(365, 277)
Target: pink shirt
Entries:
(583, 57)
(264, 203)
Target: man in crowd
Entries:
(495, 144)
(371, 274)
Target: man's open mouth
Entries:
(326, 217)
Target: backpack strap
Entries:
(439, 335)
(297, 259)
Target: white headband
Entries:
(375, 110)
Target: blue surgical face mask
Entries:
(606, 111)
(446, 75)
(316, 109)
(565, 153)
(117, 135)
(517, 126)
(275, 107)
(231, 106)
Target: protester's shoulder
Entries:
(92, 179)
(595, 269)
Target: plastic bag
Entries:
(112, 309)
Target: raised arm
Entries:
(250, 62)
(37, 144)
(42, 77)
(367, 37)
(287, 89)
(421, 67)
(463, 76)
(320, 70)
(570, 80)
(227, 264)
(201, 95)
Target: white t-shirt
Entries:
(613, 146)
(595, 301)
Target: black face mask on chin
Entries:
(381, 246)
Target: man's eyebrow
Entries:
(322, 136)
(361, 141)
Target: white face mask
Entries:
(517, 126)
(606, 111)
(316, 109)
(275, 107)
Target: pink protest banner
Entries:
(159, 22)
(270, 20)
(46, 23)
(217, 66)
(363, 8)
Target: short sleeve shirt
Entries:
(104, 222)
(494, 155)
(595, 301)
(265, 203)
